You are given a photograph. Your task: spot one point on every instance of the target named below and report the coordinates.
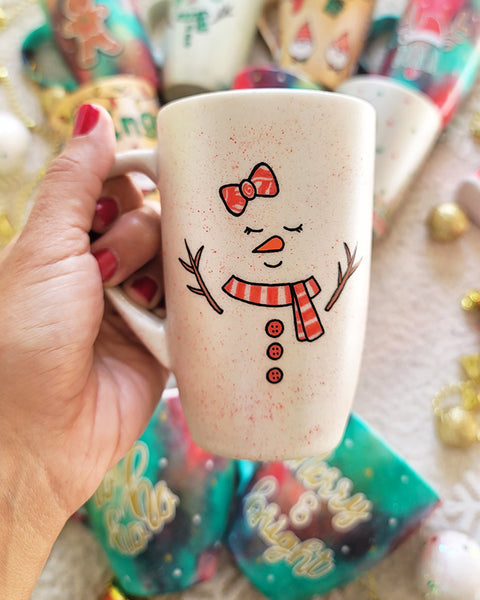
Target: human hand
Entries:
(77, 387)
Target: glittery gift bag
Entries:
(305, 527)
(162, 511)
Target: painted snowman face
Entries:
(275, 271)
(274, 251)
(269, 231)
(292, 285)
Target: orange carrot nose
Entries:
(273, 244)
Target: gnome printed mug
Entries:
(323, 38)
(266, 237)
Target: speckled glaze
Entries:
(257, 378)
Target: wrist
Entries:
(30, 522)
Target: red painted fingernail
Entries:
(107, 262)
(106, 211)
(146, 287)
(86, 119)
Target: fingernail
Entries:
(106, 211)
(107, 262)
(86, 119)
(146, 287)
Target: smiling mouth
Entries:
(273, 266)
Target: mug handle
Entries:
(157, 21)
(149, 327)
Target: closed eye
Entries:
(249, 230)
(298, 229)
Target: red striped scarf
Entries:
(307, 322)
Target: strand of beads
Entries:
(455, 406)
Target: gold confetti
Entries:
(471, 300)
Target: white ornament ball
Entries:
(15, 140)
(449, 567)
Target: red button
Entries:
(247, 189)
(274, 328)
(274, 351)
(274, 375)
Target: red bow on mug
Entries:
(261, 182)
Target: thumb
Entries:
(66, 198)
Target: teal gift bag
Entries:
(162, 511)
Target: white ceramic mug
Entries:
(266, 236)
(408, 125)
(205, 43)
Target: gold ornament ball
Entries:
(447, 222)
(15, 141)
(471, 300)
(457, 427)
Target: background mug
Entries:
(407, 127)
(204, 42)
(101, 38)
(323, 38)
(266, 236)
